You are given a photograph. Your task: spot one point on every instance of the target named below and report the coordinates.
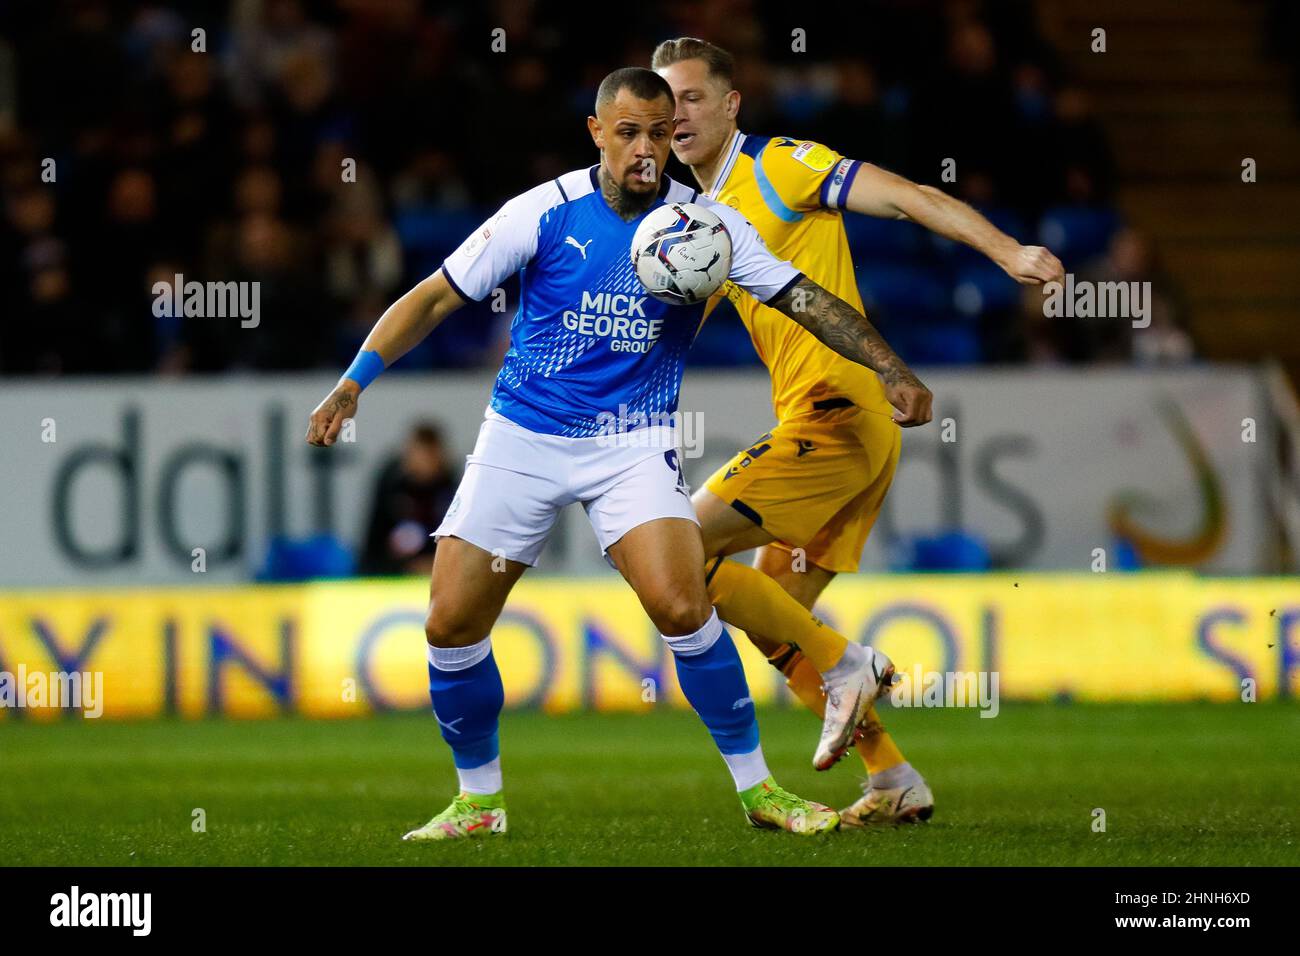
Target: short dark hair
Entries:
(721, 64)
(643, 84)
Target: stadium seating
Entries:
(428, 190)
(1077, 233)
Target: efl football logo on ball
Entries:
(681, 253)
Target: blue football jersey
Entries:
(588, 344)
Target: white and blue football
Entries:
(681, 253)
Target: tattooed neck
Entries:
(627, 205)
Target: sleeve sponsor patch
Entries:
(478, 242)
(815, 156)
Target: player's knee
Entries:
(447, 626)
(678, 613)
(717, 580)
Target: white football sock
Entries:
(900, 776)
(482, 780)
(459, 658)
(748, 770)
(697, 642)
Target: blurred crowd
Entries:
(133, 149)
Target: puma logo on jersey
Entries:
(581, 247)
(805, 446)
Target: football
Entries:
(681, 253)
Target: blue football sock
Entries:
(713, 680)
(467, 701)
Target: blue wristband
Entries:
(365, 368)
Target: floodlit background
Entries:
(1112, 492)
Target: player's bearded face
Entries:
(636, 137)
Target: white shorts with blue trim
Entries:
(517, 481)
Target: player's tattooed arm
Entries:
(403, 326)
(845, 330)
(328, 417)
(841, 328)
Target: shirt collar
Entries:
(733, 150)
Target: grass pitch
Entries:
(1185, 785)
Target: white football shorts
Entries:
(516, 481)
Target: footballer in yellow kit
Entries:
(817, 481)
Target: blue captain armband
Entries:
(834, 192)
(365, 368)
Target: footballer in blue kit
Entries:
(589, 344)
(587, 337)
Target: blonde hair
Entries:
(721, 64)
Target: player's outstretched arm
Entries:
(845, 330)
(403, 326)
(878, 192)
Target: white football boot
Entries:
(911, 802)
(851, 687)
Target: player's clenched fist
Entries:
(328, 418)
(1033, 265)
(911, 398)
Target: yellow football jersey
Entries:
(792, 191)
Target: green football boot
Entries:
(771, 808)
(470, 815)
